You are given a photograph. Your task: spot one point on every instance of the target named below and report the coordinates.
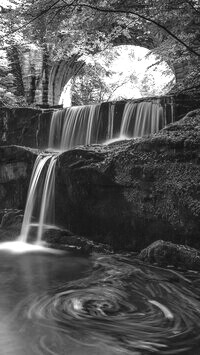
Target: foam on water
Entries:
(22, 247)
(117, 139)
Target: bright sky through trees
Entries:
(134, 74)
(141, 67)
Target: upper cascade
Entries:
(83, 126)
(92, 124)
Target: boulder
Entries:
(11, 218)
(65, 240)
(10, 224)
(167, 253)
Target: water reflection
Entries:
(54, 304)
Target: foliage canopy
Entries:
(65, 28)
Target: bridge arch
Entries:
(45, 79)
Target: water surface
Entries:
(102, 305)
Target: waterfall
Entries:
(74, 126)
(143, 118)
(40, 200)
(47, 209)
(82, 125)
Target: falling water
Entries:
(74, 126)
(40, 201)
(143, 118)
(48, 200)
(82, 125)
(111, 114)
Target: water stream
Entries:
(39, 210)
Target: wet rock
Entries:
(10, 224)
(24, 126)
(11, 218)
(16, 164)
(166, 253)
(64, 239)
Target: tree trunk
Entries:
(45, 76)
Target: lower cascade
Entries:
(82, 125)
(41, 193)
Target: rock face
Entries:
(24, 126)
(132, 193)
(16, 164)
(167, 253)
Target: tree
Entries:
(69, 20)
(64, 28)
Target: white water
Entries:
(40, 202)
(74, 126)
(143, 118)
(81, 126)
(23, 247)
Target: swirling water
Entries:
(101, 305)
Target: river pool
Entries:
(99, 305)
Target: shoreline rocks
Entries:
(166, 253)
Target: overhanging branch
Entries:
(108, 10)
(74, 3)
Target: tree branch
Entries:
(144, 18)
(192, 6)
(108, 10)
(32, 20)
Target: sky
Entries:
(4, 2)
